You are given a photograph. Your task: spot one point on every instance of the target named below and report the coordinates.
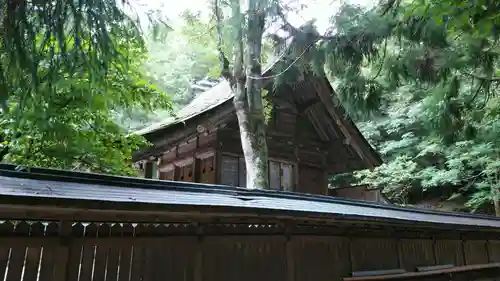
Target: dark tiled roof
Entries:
(54, 184)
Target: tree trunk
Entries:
(3, 88)
(496, 203)
(495, 194)
(247, 93)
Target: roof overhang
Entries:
(165, 134)
(44, 188)
(163, 126)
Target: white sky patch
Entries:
(320, 10)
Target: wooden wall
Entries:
(289, 141)
(301, 134)
(281, 145)
(147, 252)
(191, 160)
(298, 157)
(360, 192)
(305, 131)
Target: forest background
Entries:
(419, 78)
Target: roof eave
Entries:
(30, 184)
(180, 130)
(268, 71)
(371, 158)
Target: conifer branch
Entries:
(382, 63)
(287, 68)
(390, 4)
(294, 31)
(491, 79)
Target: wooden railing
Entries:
(466, 272)
(34, 250)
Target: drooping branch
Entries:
(491, 79)
(294, 31)
(390, 5)
(62, 35)
(382, 62)
(309, 37)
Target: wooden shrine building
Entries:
(308, 138)
(69, 226)
(359, 192)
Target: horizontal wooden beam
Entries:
(171, 136)
(312, 226)
(466, 272)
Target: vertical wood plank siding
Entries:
(33, 251)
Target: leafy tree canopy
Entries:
(426, 74)
(419, 77)
(67, 70)
(187, 54)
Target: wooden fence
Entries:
(55, 251)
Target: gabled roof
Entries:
(204, 102)
(209, 99)
(56, 188)
(221, 94)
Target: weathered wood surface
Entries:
(457, 273)
(33, 251)
(303, 129)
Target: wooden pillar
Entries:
(197, 170)
(289, 255)
(198, 259)
(218, 166)
(62, 253)
(464, 250)
(177, 173)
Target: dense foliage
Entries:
(420, 78)
(67, 71)
(431, 76)
(187, 54)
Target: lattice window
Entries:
(233, 173)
